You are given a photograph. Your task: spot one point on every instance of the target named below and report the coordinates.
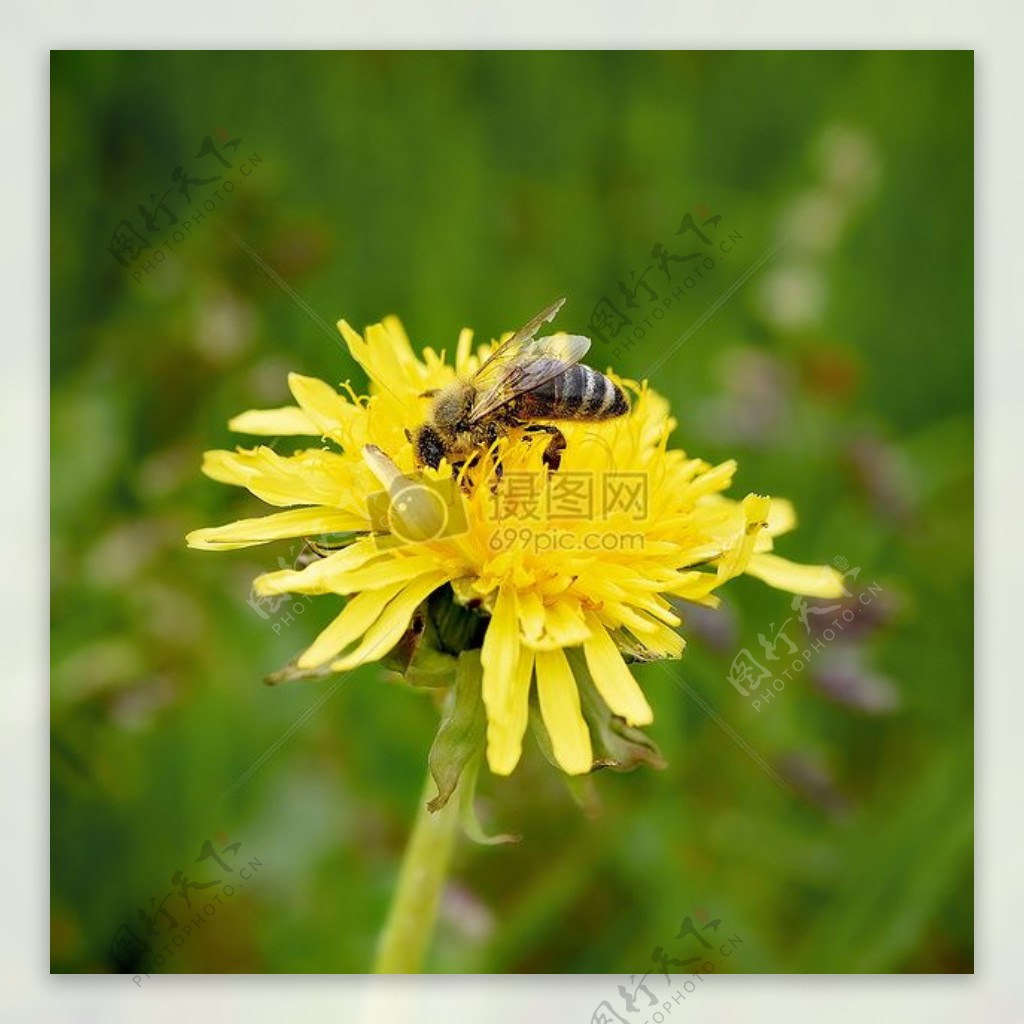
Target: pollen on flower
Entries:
(573, 571)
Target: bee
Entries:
(526, 383)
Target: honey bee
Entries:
(526, 380)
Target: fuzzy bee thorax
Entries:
(452, 407)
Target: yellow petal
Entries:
(612, 678)
(531, 616)
(662, 640)
(636, 622)
(381, 573)
(341, 578)
(781, 517)
(312, 477)
(715, 479)
(284, 422)
(563, 627)
(392, 624)
(755, 514)
(385, 356)
(321, 403)
(696, 587)
(505, 738)
(463, 350)
(810, 580)
(499, 656)
(355, 619)
(559, 701)
(320, 576)
(296, 522)
(353, 338)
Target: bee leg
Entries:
(310, 552)
(457, 470)
(429, 394)
(499, 469)
(314, 549)
(553, 453)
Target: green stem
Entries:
(410, 924)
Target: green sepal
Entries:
(458, 749)
(457, 626)
(580, 787)
(292, 673)
(617, 745)
(467, 809)
(461, 734)
(540, 734)
(440, 630)
(417, 656)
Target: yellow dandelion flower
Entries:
(569, 571)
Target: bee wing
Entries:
(490, 372)
(531, 327)
(516, 369)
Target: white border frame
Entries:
(992, 29)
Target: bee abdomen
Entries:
(579, 393)
(584, 394)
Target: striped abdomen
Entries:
(579, 393)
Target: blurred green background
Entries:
(472, 189)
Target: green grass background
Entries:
(472, 189)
